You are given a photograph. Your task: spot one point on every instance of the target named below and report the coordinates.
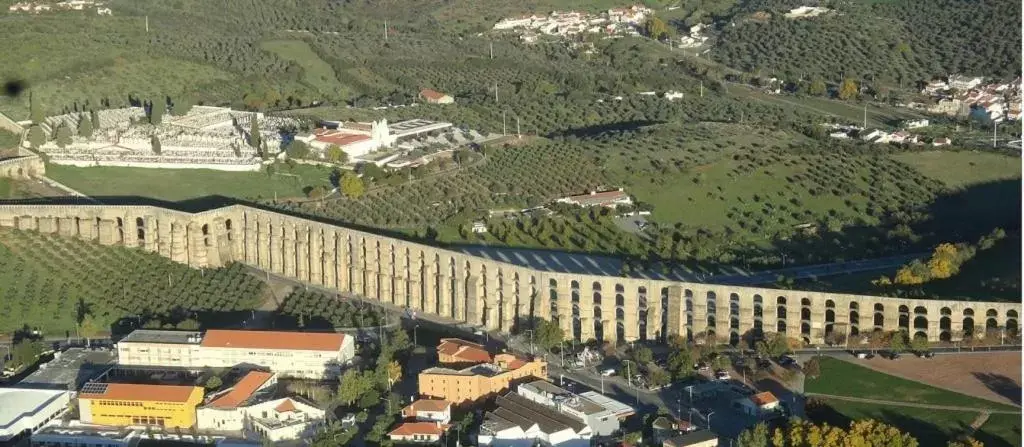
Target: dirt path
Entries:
(909, 404)
(995, 376)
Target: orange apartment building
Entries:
(480, 381)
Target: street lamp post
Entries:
(709, 419)
(531, 341)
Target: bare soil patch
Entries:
(995, 376)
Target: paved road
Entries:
(910, 404)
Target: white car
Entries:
(608, 372)
(722, 375)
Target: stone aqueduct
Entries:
(493, 294)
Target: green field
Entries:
(959, 169)
(46, 280)
(183, 184)
(851, 111)
(840, 378)
(317, 73)
(930, 427)
(1001, 430)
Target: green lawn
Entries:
(930, 427)
(1001, 430)
(183, 184)
(882, 117)
(317, 73)
(842, 378)
(959, 169)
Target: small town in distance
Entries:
(555, 223)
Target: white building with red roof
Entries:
(249, 407)
(608, 199)
(356, 139)
(759, 404)
(429, 410)
(308, 355)
(418, 432)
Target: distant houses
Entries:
(435, 97)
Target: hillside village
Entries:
(616, 22)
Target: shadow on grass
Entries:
(1001, 385)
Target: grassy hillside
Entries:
(48, 282)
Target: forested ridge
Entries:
(892, 42)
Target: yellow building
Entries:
(123, 404)
(479, 382)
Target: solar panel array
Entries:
(94, 388)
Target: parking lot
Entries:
(72, 367)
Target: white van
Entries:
(608, 372)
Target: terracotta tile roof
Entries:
(419, 428)
(762, 399)
(242, 390)
(286, 406)
(340, 138)
(463, 350)
(427, 405)
(432, 94)
(152, 393)
(303, 341)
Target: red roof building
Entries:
(243, 390)
(298, 341)
(458, 351)
(605, 198)
(418, 432)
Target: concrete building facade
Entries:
(122, 404)
(310, 355)
(493, 294)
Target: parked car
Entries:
(764, 363)
(722, 375)
(929, 354)
(702, 367)
(787, 361)
(862, 355)
(894, 356)
(608, 372)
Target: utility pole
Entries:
(701, 89)
(492, 50)
(995, 127)
(502, 118)
(495, 92)
(518, 135)
(865, 115)
(385, 30)
(147, 24)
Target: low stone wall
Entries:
(129, 164)
(7, 123)
(23, 167)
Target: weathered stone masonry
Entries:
(493, 294)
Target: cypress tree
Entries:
(155, 142)
(85, 127)
(254, 132)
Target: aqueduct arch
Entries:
(494, 294)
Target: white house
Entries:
(479, 227)
(673, 95)
(600, 420)
(248, 407)
(759, 404)
(24, 411)
(942, 142)
(418, 432)
(605, 198)
(964, 83)
(429, 410)
(915, 124)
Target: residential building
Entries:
(519, 421)
(311, 355)
(964, 83)
(479, 227)
(759, 404)
(478, 382)
(435, 97)
(429, 410)
(418, 432)
(915, 124)
(700, 438)
(249, 407)
(602, 421)
(664, 428)
(24, 410)
(608, 199)
(942, 142)
(458, 352)
(123, 404)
